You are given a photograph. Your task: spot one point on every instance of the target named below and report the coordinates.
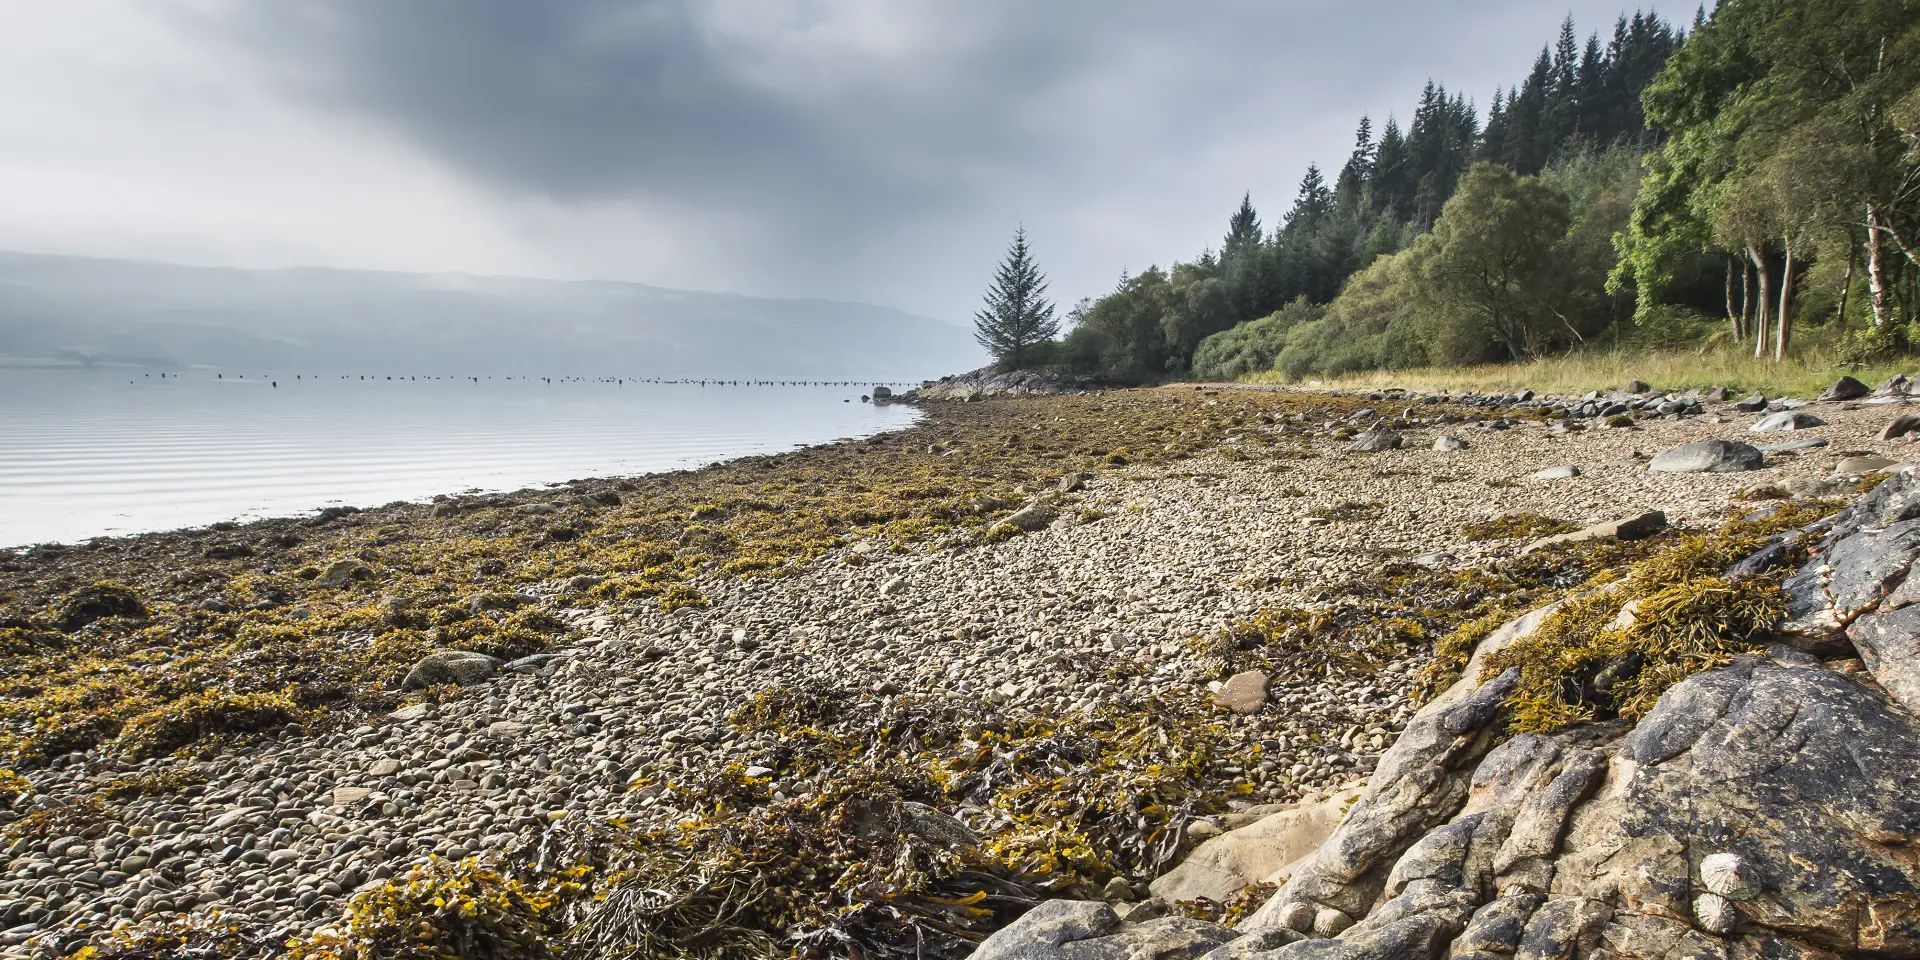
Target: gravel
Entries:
(285, 833)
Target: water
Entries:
(86, 453)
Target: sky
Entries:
(872, 150)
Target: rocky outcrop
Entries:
(1762, 809)
(990, 382)
(1265, 851)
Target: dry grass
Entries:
(1805, 374)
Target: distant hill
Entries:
(352, 321)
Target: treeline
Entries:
(1761, 163)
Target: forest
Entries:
(1745, 181)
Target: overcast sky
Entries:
(877, 150)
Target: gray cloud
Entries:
(871, 149)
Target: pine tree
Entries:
(1243, 231)
(1493, 140)
(1017, 317)
(1313, 203)
(1359, 169)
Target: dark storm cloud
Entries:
(890, 144)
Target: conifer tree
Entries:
(1243, 231)
(1017, 316)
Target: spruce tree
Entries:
(1243, 231)
(1017, 317)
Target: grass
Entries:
(1804, 374)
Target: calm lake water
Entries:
(100, 452)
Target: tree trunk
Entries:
(1877, 290)
(1846, 289)
(1746, 298)
(1760, 311)
(1733, 320)
(1783, 329)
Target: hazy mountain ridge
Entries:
(327, 320)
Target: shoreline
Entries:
(901, 593)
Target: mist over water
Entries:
(86, 453)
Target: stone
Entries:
(1752, 404)
(1900, 426)
(1376, 441)
(342, 572)
(1074, 482)
(411, 712)
(894, 587)
(1729, 875)
(1244, 693)
(883, 393)
(348, 797)
(1794, 446)
(1845, 388)
(1787, 420)
(1447, 443)
(1637, 386)
(1863, 466)
(1090, 930)
(462, 667)
(384, 768)
(1708, 456)
(1034, 516)
(1259, 852)
(1567, 472)
(1637, 527)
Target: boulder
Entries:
(462, 667)
(1637, 386)
(1787, 420)
(1863, 466)
(1637, 527)
(342, 572)
(882, 393)
(1259, 852)
(1447, 443)
(1752, 404)
(1243, 693)
(1034, 516)
(1895, 386)
(1376, 441)
(1900, 426)
(1845, 388)
(1090, 930)
(1708, 456)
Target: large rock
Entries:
(1090, 930)
(1243, 693)
(1261, 852)
(1845, 388)
(440, 667)
(1448, 443)
(1900, 426)
(1376, 441)
(1637, 527)
(1858, 588)
(1034, 516)
(1787, 420)
(1708, 456)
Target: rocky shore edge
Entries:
(757, 707)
